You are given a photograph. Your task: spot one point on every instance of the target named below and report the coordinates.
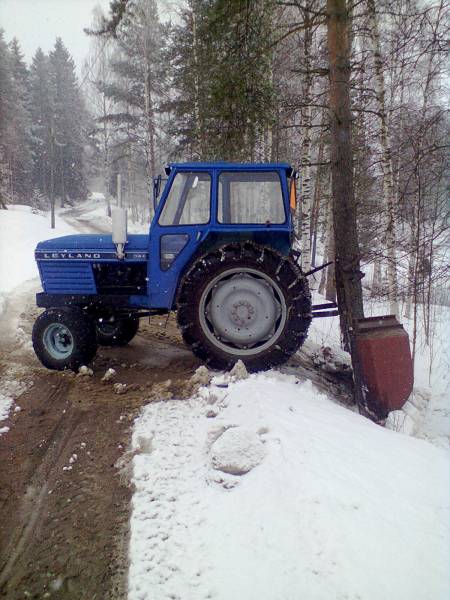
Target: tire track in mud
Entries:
(36, 489)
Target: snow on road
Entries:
(337, 508)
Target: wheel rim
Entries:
(242, 311)
(58, 341)
(108, 328)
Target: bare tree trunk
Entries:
(348, 273)
(150, 140)
(327, 286)
(316, 201)
(304, 224)
(388, 173)
(376, 279)
(52, 174)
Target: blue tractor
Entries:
(219, 253)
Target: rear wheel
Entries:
(64, 338)
(115, 331)
(246, 302)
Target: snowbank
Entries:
(12, 386)
(337, 508)
(20, 231)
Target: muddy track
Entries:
(65, 485)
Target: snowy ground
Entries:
(334, 506)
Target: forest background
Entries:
(249, 80)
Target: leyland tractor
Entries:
(219, 253)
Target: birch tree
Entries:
(386, 160)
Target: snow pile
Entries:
(11, 387)
(331, 506)
(20, 231)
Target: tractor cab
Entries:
(204, 205)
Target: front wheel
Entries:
(115, 331)
(246, 302)
(64, 338)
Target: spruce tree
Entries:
(41, 102)
(221, 72)
(20, 155)
(67, 127)
(5, 112)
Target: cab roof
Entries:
(231, 166)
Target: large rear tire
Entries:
(64, 338)
(244, 301)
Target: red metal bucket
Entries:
(386, 363)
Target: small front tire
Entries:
(64, 338)
(116, 332)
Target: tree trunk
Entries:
(304, 224)
(316, 201)
(52, 175)
(388, 173)
(348, 273)
(327, 285)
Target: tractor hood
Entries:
(90, 246)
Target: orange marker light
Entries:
(293, 195)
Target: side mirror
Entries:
(156, 191)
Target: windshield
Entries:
(188, 202)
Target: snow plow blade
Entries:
(386, 363)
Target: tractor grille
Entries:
(121, 278)
(64, 277)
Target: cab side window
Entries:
(250, 197)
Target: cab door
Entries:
(181, 223)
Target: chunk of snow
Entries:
(237, 451)
(239, 371)
(201, 376)
(109, 375)
(120, 388)
(85, 371)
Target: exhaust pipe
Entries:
(119, 230)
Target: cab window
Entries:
(189, 200)
(250, 197)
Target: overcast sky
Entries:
(39, 22)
